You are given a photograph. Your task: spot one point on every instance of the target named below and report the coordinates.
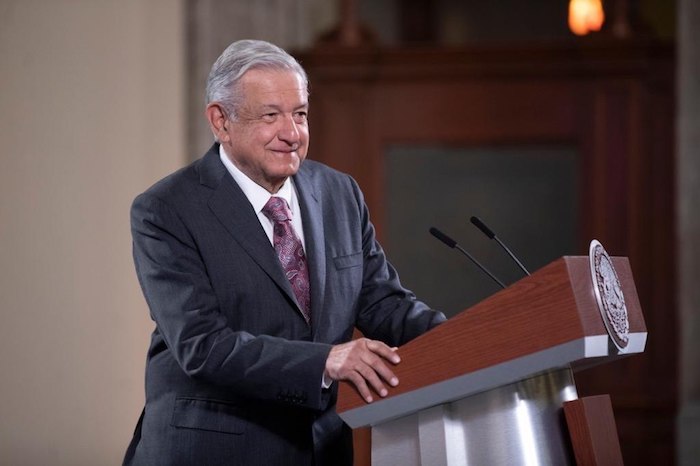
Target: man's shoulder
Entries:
(186, 180)
(321, 174)
(174, 179)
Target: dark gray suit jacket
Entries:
(233, 372)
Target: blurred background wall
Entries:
(100, 98)
(91, 112)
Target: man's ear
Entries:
(218, 121)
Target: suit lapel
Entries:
(310, 203)
(232, 208)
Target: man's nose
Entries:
(289, 132)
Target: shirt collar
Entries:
(256, 194)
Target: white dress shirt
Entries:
(258, 197)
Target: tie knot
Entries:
(276, 210)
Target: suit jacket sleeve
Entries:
(184, 306)
(387, 311)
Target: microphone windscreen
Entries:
(480, 225)
(443, 237)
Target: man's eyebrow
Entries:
(276, 107)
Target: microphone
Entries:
(491, 235)
(453, 244)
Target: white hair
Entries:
(238, 58)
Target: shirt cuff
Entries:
(326, 382)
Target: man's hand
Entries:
(363, 362)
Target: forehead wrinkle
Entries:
(278, 95)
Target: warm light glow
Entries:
(585, 16)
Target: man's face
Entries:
(269, 139)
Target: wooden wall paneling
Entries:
(661, 242)
(662, 251)
(590, 185)
(647, 211)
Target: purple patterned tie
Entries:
(289, 251)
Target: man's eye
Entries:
(300, 117)
(269, 116)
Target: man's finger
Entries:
(384, 351)
(370, 376)
(361, 386)
(386, 373)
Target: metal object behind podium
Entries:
(517, 424)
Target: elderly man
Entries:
(256, 266)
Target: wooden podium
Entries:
(494, 385)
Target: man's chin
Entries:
(292, 162)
